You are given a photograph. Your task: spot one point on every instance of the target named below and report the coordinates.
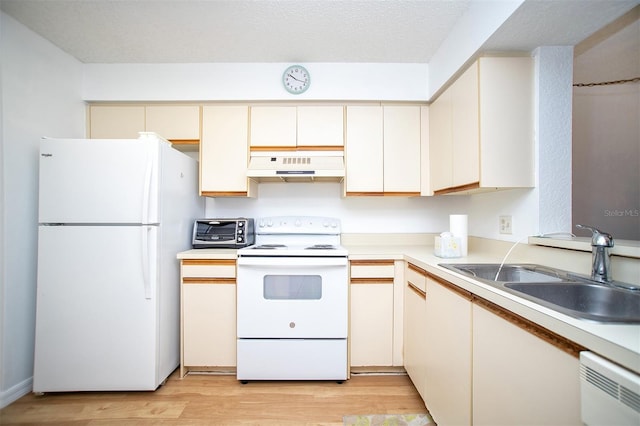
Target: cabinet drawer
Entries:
(416, 276)
(208, 268)
(374, 269)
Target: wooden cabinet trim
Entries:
(380, 280)
(371, 262)
(296, 148)
(416, 290)
(450, 190)
(550, 337)
(209, 262)
(462, 292)
(224, 193)
(194, 280)
(417, 269)
(382, 194)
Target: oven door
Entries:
(292, 297)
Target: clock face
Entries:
(296, 79)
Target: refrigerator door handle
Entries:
(146, 190)
(146, 262)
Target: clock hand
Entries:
(296, 79)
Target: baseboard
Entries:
(15, 392)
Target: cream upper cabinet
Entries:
(382, 150)
(402, 149)
(273, 126)
(177, 123)
(364, 154)
(516, 372)
(448, 376)
(116, 122)
(481, 128)
(301, 127)
(224, 152)
(320, 126)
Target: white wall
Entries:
(41, 96)
(252, 81)
(357, 214)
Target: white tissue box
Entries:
(447, 246)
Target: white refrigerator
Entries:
(113, 214)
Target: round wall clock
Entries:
(296, 79)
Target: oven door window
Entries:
(292, 287)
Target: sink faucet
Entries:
(601, 263)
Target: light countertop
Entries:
(617, 342)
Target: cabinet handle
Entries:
(416, 290)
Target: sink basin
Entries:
(591, 301)
(507, 273)
(562, 291)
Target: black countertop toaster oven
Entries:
(223, 233)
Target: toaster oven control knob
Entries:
(240, 231)
(240, 239)
(240, 224)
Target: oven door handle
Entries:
(291, 262)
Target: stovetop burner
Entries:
(321, 247)
(269, 246)
(296, 236)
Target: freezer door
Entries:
(96, 319)
(99, 181)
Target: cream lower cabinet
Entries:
(448, 356)
(208, 315)
(372, 313)
(415, 321)
(520, 378)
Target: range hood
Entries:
(296, 166)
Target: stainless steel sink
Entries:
(562, 291)
(585, 300)
(506, 273)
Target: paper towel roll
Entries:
(458, 227)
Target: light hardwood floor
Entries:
(222, 400)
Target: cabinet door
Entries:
(371, 324)
(364, 150)
(224, 151)
(401, 149)
(116, 122)
(448, 358)
(320, 126)
(209, 318)
(465, 118)
(415, 339)
(273, 126)
(372, 312)
(506, 105)
(518, 377)
(440, 142)
(177, 123)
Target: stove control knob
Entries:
(270, 223)
(325, 224)
(298, 222)
(292, 324)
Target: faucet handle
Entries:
(598, 238)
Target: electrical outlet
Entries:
(505, 225)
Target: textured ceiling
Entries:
(385, 31)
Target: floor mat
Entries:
(388, 420)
